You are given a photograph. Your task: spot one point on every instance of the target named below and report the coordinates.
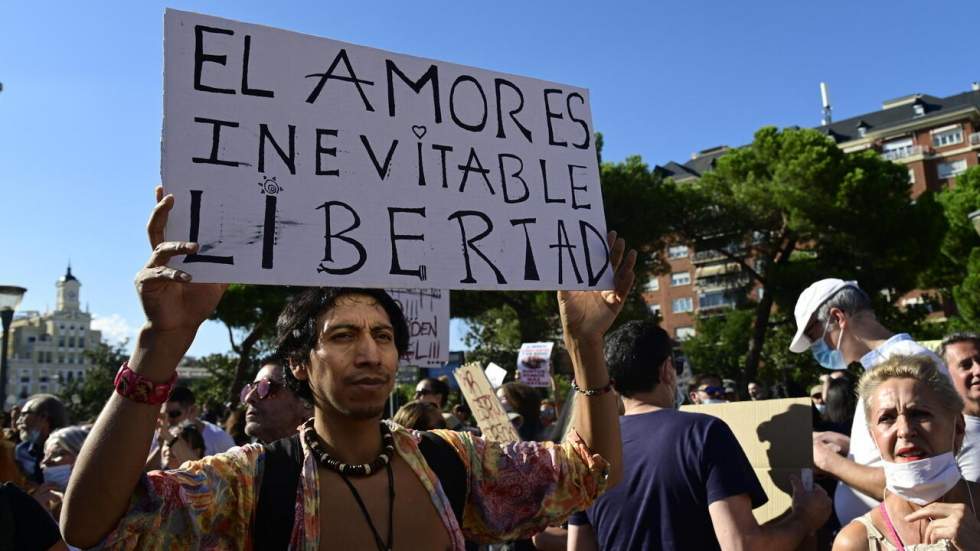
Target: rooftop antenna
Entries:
(825, 98)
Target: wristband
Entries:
(133, 386)
(593, 391)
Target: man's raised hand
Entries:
(170, 301)
(587, 314)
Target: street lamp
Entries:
(9, 301)
(975, 218)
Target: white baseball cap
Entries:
(810, 300)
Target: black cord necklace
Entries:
(318, 448)
(367, 516)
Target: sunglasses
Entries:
(425, 392)
(263, 389)
(712, 390)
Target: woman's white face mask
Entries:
(923, 481)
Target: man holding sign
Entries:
(363, 484)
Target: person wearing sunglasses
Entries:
(707, 389)
(184, 443)
(272, 411)
(182, 407)
(434, 391)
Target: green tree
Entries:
(791, 207)
(958, 272)
(85, 397)
(222, 369)
(251, 312)
(719, 344)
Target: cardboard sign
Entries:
(776, 436)
(427, 314)
(534, 364)
(490, 415)
(302, 160)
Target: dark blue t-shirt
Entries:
(675, 465)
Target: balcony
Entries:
(701, 257)
(715, 301)
(975, 138)
(905, 152)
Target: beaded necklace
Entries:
(319, 451)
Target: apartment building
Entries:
(936, 139)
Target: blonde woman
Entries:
(914, 417)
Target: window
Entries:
(951, 169)
(81, 342)
(31, 339)
(71, 342)
(911, 175)
(43, 388)
(899, 146)
(677, 251)
(654, 309)
(714, 300)
(681, 305)
(684, 333)
(680, 278)
(653, 284)
(947, 136)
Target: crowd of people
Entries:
(313, 464)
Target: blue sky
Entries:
(80, 113)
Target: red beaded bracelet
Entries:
(594, 391)
(133, 386)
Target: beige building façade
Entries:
(48, 350)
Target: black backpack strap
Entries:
(445, 462)
(276, 508)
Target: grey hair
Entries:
(849, 300)
(69, 439)
(956, 338)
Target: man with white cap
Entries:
(835, 321)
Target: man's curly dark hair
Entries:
(297, 327)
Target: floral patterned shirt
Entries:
(514, 491)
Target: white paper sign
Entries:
(496, 375)
(427, 314)
(534, 364)
(302, 160)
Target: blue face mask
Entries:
(828, 358)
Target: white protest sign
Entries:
(427, 314)
(302, 160)
(495, 374)
(489, 414)
(534, 364)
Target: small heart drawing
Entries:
(418, 130)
